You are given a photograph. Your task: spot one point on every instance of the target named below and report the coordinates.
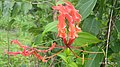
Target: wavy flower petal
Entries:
(61, 27)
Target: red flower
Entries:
(27, 51)
(61, 27)
(71, 14)
(13, 53)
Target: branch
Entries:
(108, 34)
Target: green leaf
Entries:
(63, 57)
(115, 59)
(59, 2)
(117, 23)
(85, 7)
(72, 64)
(26, 6)
(96, 59)
(37, 39)
(119, 35)
(91, 25)
(7, 8)
(86, 38)
(16, 8)
(114, 41)
(10, 24)
(0, 8)
(50, 27)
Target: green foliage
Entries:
(7, 7)
(86, 38)
(85, 7)
(0, 8)
(68, 58)
(26, 6)
(50, 27)
(96, 59)
(16, 9)
(31, 22)
(91, 25)
(59, 2)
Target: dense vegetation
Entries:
(34, 23)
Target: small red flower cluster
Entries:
(27, 51)
(68, 12)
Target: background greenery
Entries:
(31, 22)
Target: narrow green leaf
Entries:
(86, 38)
(0, 8)
(85, 7)
(50, 27)
(73, 64)
(96, 59)
(63, 57)
(16, 8)
(59, 2)
(10, 24)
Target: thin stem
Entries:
(108, 35)
(8, 47)
(108, 38)
(74, 53)
(89, 51)
(75, 48)
(54, 54)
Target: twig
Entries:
(75, 48)
(108, 38)
(90, 52)
(54, 54)
(108, 35)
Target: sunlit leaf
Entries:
(85, 7)
(59, 2)
(63, 57)
(73, 64)
(50, 27)
(86, 38)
